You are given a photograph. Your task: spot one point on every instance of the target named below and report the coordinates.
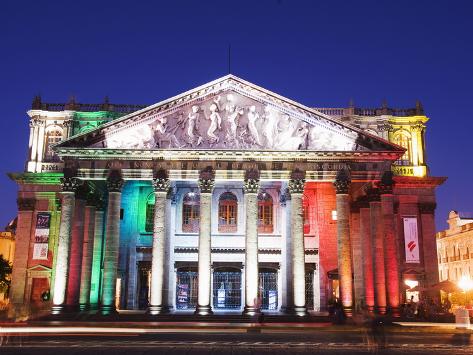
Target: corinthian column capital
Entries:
(342, 182)
(206, 180)
(115, 181)
(251, 184)
(296, 182)
(161, 181)
(70, 184)
(386, 184)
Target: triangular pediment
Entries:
(228, 113)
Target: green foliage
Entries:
(5, 275)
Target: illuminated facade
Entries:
(226, 197)
(455, 248)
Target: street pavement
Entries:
(246, 340)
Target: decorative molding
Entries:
(297, 182)
(161, 181)
(251, 183)
(427, 207)
(114, 181)
(206, 180)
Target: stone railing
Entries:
(358, 111)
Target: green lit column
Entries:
(95, 281)
(112, 240)
(87, 252)
(69, 186)
(161, 187)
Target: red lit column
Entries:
(342, 185)
(75, 259)
(390, 250)
(367, 255)
(378, 250)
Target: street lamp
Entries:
(466, 284)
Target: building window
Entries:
(149, 214)
(265, 213)
(227, 212)
(190, 212)
(403, 139)
(52, 137)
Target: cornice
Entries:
(36, 178)
(412, 181)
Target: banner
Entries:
(41, 236)
(411, 239)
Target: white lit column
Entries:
(112, 240)
(206, 184)
(161, 187)
(342, 185)
(296, 189)
(69, 186)
(251, 242)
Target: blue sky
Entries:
(320, 53)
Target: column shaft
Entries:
(378, 256)
(87, 255)
(95, 281)
(110, 262)
(62, 254)
(367, 258)
(158, 252)
(344, 252)
(390, 253)
(204, 262)
(251, 253)
(298, 254)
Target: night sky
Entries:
(319, 53)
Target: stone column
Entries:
(296, 189)
(112, 239)
(95, 281)
(367, 255)
(429, 242)
(69, 186)
(161, 187)
(377, 250)
(206, 184)
(391, 250)
(251, 242)
(76, 248)
(342, 185)
(25, 223)
(87, 252)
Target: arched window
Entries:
(265, 213)
(52, 137)
(227, 212)
(403, 139)
(190, 212)
(149, 213)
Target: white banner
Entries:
(411, 240)
(41, 237)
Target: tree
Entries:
(5, 275)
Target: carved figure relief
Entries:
(229, 121)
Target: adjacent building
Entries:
(226, 197)
(455, 248)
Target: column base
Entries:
(203, 310)
(83, 307)
(348, 311)
(395, 312)
(106, 310)
(381, 310)
(156, 310)
(300, 311)
(251, 311)
(370, 309)
(57, 310)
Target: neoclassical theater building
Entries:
(227, 197)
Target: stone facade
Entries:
(227, 197)
(455, 248)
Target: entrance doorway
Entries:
(268, 289)
(227, 288)
(186, 288)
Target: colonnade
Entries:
(379, 250)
